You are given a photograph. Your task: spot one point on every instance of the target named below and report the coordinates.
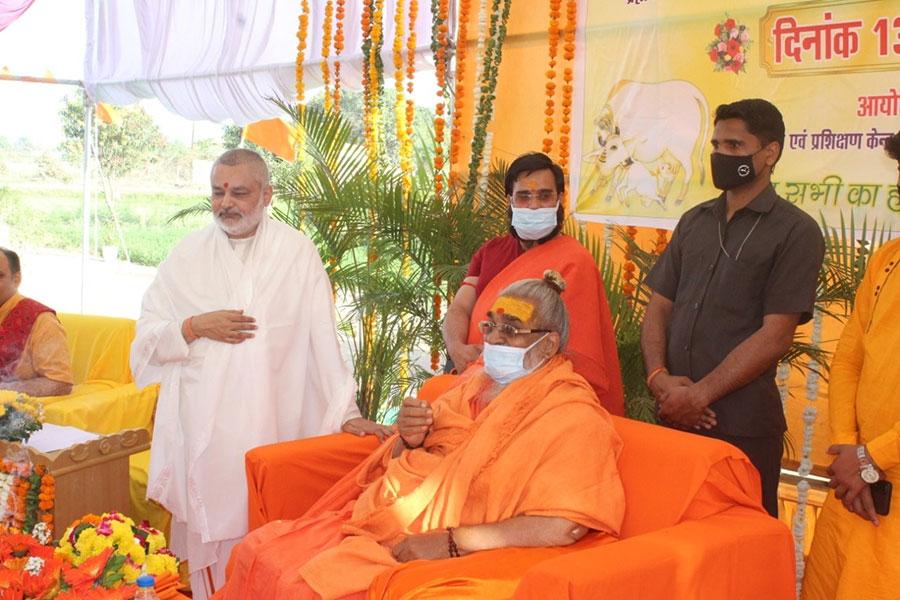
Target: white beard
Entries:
(244, 226)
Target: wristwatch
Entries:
(866, 469)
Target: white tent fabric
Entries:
(222, 59)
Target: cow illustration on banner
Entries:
(647, 136)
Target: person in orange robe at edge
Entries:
(497, 461)
(534, 187)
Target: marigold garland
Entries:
(326, 50)
(440, 41)
(302, 31)
(492, 56)
(461, 41)
(406, 150)
(27, 497)
(550, 86)
(373, 30)
(662, 240)
(338, 50)
(568, 77)
(400, 89)
(479, 59)
(436, 313)
(629, 268)
(366, 27)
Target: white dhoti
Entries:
(218, 400)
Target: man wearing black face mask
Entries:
(737, 278)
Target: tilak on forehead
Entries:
(513, 308)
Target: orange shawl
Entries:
(525, 454)
(592, 340)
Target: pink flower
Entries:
(744, 36)
(104, 528)
(721, 47)
(739, 57)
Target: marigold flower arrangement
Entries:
(98, 559)
(729, 48)
(123, 547)
(27, 496)
(19, 418)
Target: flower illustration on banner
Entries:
(729, 48)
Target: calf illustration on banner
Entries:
(646, 138)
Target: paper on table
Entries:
(56, 437)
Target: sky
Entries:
(50, 39)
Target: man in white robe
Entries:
(238, 328)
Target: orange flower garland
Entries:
(568, 77)
(662, 240)
(326, 49)
(435, 353)
(302, 31)
(550, 86)
(29, 497)
(461, 40)
(628, 269)
(338, 50)
(440, 34)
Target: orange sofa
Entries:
(693, 527)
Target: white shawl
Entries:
(218, 400)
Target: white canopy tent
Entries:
(220, 59)
(216, 60)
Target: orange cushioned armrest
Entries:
(283, 480)
(739, 554)
(491, 574)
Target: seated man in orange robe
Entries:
(34, 356)
(534, 187)
(499, 460)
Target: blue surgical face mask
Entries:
(505, 364)
(534, 223)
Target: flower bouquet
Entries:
(19, 418)
(98, 559)
(729, 48)
(122, 548)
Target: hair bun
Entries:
(554, 280)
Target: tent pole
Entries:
(86, 195)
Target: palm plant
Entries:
(847, 251)
(627, 312)
(390, 248)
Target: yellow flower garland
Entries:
(326, 48)
(400, 100)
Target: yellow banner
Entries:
(654, 72)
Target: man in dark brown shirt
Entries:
(738, 277)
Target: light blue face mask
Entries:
(505, 364)
(534, 223)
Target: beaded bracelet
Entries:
(452, 548)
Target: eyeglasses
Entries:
(506, 329)
(524, 197)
